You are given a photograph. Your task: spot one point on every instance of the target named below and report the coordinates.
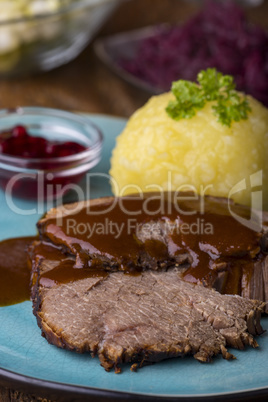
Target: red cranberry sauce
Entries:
(18, 142)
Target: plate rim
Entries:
(72, 392)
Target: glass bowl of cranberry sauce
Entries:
(44, 152)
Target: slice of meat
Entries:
(255, 285)
(225, 260)
(112, 241)
(150, 230)
(140, 319)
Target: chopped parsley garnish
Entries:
(212, 86)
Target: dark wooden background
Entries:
(86, 85)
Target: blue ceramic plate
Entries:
(27, 357)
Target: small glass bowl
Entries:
(48, 178)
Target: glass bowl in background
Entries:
(40, 35)
(48, 178)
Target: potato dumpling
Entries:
(155, 152)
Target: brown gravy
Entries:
(14, 271)
(219, 237)
(63, 270)
(229, 243)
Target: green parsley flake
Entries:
(212, 86)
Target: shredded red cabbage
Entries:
(219, 36)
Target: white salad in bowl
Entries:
(39, 35)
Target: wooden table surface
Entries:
(85, 84)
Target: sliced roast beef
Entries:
(198, 234)
(141, 318)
